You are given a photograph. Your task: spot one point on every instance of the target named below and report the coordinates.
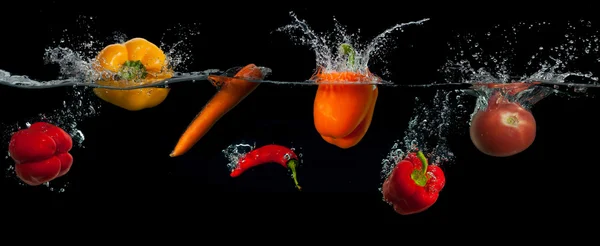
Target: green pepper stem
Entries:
(132, 70)
(347, 49)
(292, 164)
(420, 176)
(421, 157)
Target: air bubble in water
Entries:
(234, 152)
(75, 57)
(428, 130)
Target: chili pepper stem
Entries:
(420, 176)
(347, 49)
(292, 164)
(131, 70)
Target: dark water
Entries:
(124, 162)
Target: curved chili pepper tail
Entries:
(236, 172)
(292, 164)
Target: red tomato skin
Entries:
(493, 135)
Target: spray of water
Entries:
(498, 56)
(234, 152)
(503, 55)
(74, 56)
(326, 45)
(75, 63)
(428, 129)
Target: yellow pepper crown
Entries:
(132, 70)
(138, 61)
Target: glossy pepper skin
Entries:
(271, 153)
(409, 188)
(135, 62)
(41, 153)
(343, 112)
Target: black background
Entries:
(125, 164)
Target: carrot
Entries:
(232, 91)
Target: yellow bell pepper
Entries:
(136, 62)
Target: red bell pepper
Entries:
(413, 186)
(268, 154)
(41, 153)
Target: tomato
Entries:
(503, 129)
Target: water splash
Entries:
(557, 53)
(325, 45)
(525, 52)
(177, 45)
(524, 94)
(74, 56)
(428, 129)
(234, 152)
(75, 63)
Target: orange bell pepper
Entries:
(136, 62)
(343, 112)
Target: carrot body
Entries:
(232, 91)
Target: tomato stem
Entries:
(292, 164)
(420, 176)
(132, 70)
(347, 49)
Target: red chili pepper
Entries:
(271, 153)
(414, 185)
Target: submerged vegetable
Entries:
(232, 91)
(271, 153)
(414, 185)
(343, 107)
(41, 153)
(136, 62)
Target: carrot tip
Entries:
(172, 154)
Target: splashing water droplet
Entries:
(74, 56)
(497, 57)
(325, 45)
(428, 130)
(234, 152)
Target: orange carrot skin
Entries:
(232, 92)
